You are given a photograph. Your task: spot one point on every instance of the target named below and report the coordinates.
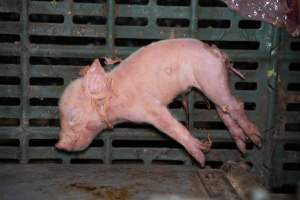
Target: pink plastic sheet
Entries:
(280, 13)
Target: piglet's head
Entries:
(79, 117)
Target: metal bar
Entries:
(67, 51)
(110, 46)
(193, 33)
(40, 152)
(233, 54)
(24, 80)
(292, 138)
(281, 136)
(10, 132)
(110, 27)
(272, 87)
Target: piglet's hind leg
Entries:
(218, 91)
(237, 113)
(236, 132)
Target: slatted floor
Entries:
(44, 44)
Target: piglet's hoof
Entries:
(206, 144)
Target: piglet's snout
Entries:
(64, 144)
(61, 146)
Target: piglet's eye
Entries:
(74, 116)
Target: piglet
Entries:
(140, 88)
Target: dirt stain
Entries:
(103, 192)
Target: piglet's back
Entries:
(159, 69)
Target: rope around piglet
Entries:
(102, 105)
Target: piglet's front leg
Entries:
(160, 117)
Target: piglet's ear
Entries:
(84, 70)
(95, 80)
(96, 67)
